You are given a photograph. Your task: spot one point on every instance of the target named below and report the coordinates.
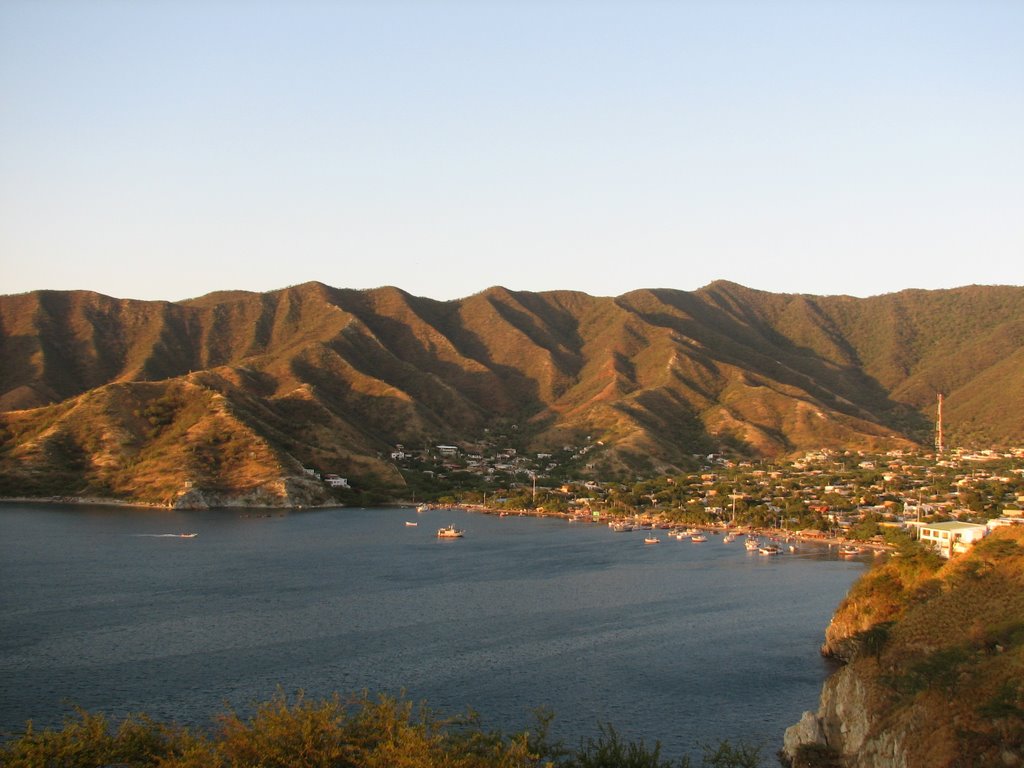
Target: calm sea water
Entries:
(679, 642)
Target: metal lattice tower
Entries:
(938, 427)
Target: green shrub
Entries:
(873, 640)
(725, 755)
(609, 751)
(938, 670)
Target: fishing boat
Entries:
(751, 544)
(849, 550)
(768, 549)
(450, 532)
(698, 538)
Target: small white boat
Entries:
(651, 540)
(768, 549)
(698, 538)
(450, 532)
(187, 535)
(849, 550)
(410, 523)
(752, 544)
(422, 508)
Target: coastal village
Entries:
(948, 500)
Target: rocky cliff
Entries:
(933, 673)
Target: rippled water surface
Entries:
(681, 642)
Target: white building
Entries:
(953, 537)
(1009, 517)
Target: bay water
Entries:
(108, 609)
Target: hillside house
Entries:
(952, 537)
(336, 482)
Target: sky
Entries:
(169, 148)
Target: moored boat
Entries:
(768, 549)
(698, 538)
(450, 532)
(751, 544)
(651, 540)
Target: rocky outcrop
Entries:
(940, 683)
(845, 723)
(285, 492)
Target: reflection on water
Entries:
(112, 610)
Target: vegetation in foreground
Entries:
(360, 732)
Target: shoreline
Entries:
(73, 501)
(777, 534)
(79, 501)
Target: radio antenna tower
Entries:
(938, 427)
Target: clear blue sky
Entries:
(165, 149)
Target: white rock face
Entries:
(843, 722)
(844, 712)
(807, 731)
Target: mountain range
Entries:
(228, 396)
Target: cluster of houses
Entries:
(949, 501)
(333, 480)
(489, 463)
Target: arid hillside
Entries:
(233, 393)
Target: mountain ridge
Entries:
(335, 377)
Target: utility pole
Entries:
(938, 427)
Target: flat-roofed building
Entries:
(953, 537)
